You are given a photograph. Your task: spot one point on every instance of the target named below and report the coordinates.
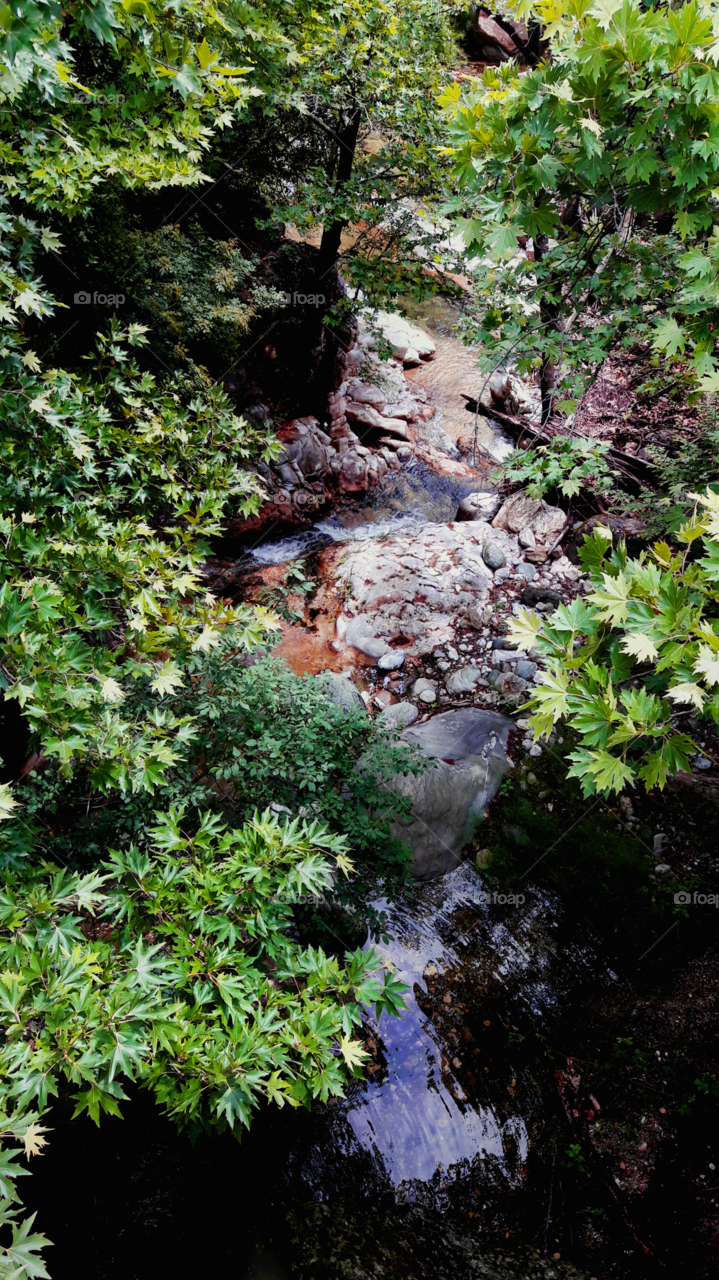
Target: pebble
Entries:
(527, 670)
(535, 750)
(702, 763)
(391, 661)
(493, 556)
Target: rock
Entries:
(361, 634)
(449, 800)
(526, 537)
(340, 690)
(364, 393)
(493, 556)
(482, 859)
(662, 868)
(478, 506)
(354, 474)
(425, 690)
(503, 642)
(383, 699)
(506, 655)
(532, 596)
(701, 762)
(525, 570)
(365, 415)
(404, 338)
(489, 32)
(520, 513)
(398, 716)
(535, 750)
(464, 680)
(526, 670)
(396, 426)
(391, 661)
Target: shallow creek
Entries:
(455, 1118)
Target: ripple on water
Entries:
(422, 1125)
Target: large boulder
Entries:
(409, 344)
(449, 800)
(520, 513)
(339, 689)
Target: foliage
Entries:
(680, 466)
(261, 736)
(629, 663)
(566, 463)
(293, 583)
(176, 968)
(580, 154)
(109, 491)
(386, 62)
(196, 293)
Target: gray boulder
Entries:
(399, 716)
(464, 680)
(340, 690)
(449, 800)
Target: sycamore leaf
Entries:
(595, 128)
(707, 664)
(33, 1139)
(611, 602)
(31, 362)
(345, 864)
(112, 691)
(669, 337)
(604, 10)
(208, 638)
(640, 646)
(7, 801)
(167, 679)
(352, 1052)
(687, 692)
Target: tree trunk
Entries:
(329, 247)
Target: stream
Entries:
(446, 1149)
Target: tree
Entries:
(609, 138)
(174, 966)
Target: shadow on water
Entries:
(442, 1153)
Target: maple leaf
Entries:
(33, 1139)
(207, 639)
(611, 602)
(352, 1052)
(112, 691)
(707, 664)
(31, 362)
(687, 692)
(7, 801)
(640, 646)
(167, 679)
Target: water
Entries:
(408, 500)
(453, 1109)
